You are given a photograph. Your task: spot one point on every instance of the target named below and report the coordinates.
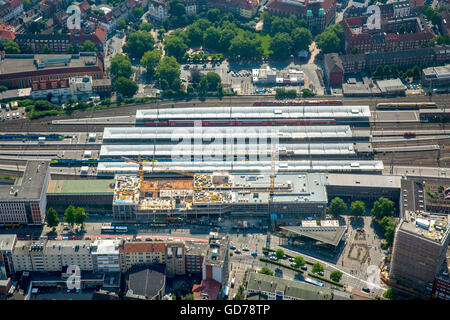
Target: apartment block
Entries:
(142, 253)
(419, 250)
(25, 202)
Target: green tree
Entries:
(138, 43)
(281, 46)
(88, 46)
(121, 24)
(330, 40)
(246, 46)
(211, 38)
(70, 49)
(69, 215)
(175, 47)
(177, 13)
(266, 270)
(161, 33)
(336, 275)
(358, 208)
(11, 47)
(317, 267)
(81, 216)
(125, 86)
(388, 226)
(137, 13)
(337, 206)
(195, 35)
(299, 261)
(279, 253)
(189, 296)
(382, 208)
(146, 26)
(390, 294)
(378, 73)
(301, 38)
(52, 218)
(46, 49)
(213, 15)
(307, 93)
(150, 61)
(226, 35)
(121, 66)
(355, 50)
(213, 80)
(3, 88)
(168, 71)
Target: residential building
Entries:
(355, 63)
(105, 255)
(175, 258)
(58, 89)
(20, 71)
(215, 264)
(102, 87)
(25, 202)
(80, 87)
(318, 13)
(388, 39)
(10, 10)
(274, 288)
(195, 255)
(142, 253)
(436, 79)
(334, 70)
(7, 33)
(158, 10)
(419, 250)
(7, 243)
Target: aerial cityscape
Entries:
(232, 150)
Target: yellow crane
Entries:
(141, 170)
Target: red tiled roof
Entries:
(209, 287)
(6, 32)
(285, 8)
(144, 247)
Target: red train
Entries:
(409, 134)
(299, 103)
(189, 123)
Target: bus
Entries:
(121, 229)
(314, 282)
(107, 229)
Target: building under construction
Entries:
(219, 194)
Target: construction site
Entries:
(218, 194)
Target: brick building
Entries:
(318, 13)
(20, 71)
(334, 70)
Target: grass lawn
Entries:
(265, 39)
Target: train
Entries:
(434, 116)
(406, 105)
(13, 136)
(114, 229)
(211, 123)
(299, 103)
(409, 134)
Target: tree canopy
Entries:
(301, 38)
(266, 270)
(175, 47)
(390, 294)
(281, 46)
(121, 66)
(299, 261)
(337, 206)
(331, 39)
(52, 218)
(11, 47)
(317, 267)
(336, 275)
(138, 43)
(150, 61)
(125, 86)
(279, 253)
(358, 208)
(383, 208)
(168, 71)
(88, 46)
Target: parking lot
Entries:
(8, 114)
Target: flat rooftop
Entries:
(364, 180)
(283, 112)
(90, 186)
(7, 242)
(170, 133)
(327, 234)
(31, 186)
(300, 290)
(246, 166)
(426, 225)
(29, 63)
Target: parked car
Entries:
(365, 289)
(245, 249)
(237, 251)
(305, 268)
